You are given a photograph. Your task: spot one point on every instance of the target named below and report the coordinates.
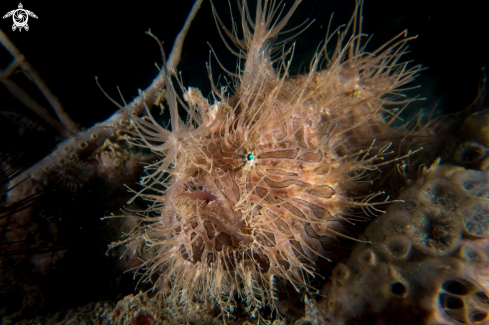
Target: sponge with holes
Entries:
(425, 261)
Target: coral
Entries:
(425, 260)
(475, 128)
(253, 190)
(472, 151)
(135, 310)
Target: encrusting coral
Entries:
(252, 190)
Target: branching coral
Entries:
(252, 190)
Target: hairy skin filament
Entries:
(252, 190)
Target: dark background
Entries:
(71, 42)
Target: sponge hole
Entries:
(469, 152)
(457, 287)
(398, 290)
(472, 181)
(435, 232)
(440, 193)
(398, 246)
(454, 303)
(483, 297)
(478, 316)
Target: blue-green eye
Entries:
(250, 157)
